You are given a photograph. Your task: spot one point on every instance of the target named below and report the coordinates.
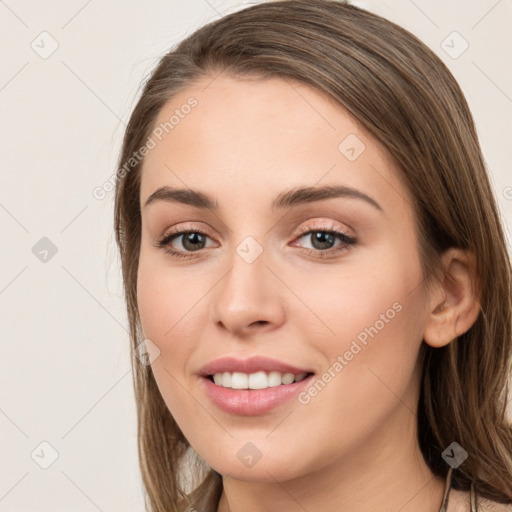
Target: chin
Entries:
(268, 469)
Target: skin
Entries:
(353, 447)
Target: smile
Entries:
(258, 380)
(245, 401)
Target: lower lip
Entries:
(252, 402)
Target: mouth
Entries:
(255, 367)
(254, 394)
(252, 386)
(257, 380)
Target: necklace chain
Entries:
(447, 488)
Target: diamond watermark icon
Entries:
(146, 352)
(454, 45)
(44, 250)
(455, 455)
(249, 454)
(44, 455)
(44, 45)
(249, 249)
(351, 147)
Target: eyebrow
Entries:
(294, 197)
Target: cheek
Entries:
(161, 305)
(376, 316)
(153, 303)
(169, 312)
(173, 308)
(369, 379)
(378, 303)
(374, 313)
(167, 298)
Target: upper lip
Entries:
(250, 365)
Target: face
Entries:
(329, 283)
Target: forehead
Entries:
(232, 136)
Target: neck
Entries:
(388, 473)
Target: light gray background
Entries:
(64, 363)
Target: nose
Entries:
(249, 298)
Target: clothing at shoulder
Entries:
(460, 501)
(486, 505)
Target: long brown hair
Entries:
(405, 96)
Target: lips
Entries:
(252, 402)
(251, 365)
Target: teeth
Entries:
(258, 380)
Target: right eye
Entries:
(191, 241)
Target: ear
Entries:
(454, 302)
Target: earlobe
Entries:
(454, 304)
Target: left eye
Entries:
(323, 240)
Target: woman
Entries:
(313, 258)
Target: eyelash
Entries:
(347, 241)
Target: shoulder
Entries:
(459, 501)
